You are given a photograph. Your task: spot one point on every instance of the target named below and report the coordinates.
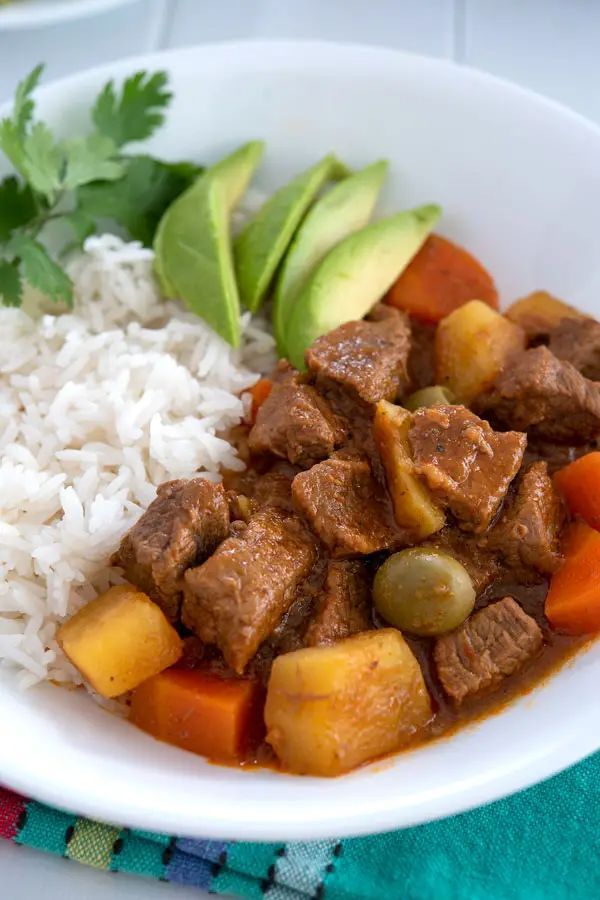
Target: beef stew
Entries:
(347, 488)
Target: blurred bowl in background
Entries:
(22, 14)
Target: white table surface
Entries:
(548, 45)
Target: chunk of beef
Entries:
(368, 359)
(383, 312)
(289, 634)
(179, 529)
(465, 463)
(479, 561)
(345, 507)
(344, 606)
(237, 597)
(492, 644)
(578, 341)
(295, 422)
(358, 416)
(527, 534)
(274, 488)
(546, 396)
(421, 359)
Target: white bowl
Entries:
(519, 179)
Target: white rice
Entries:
(97, 408)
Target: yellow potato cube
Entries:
(472, 346)
(414, 507)
(539, 312)
(330, 709)
(119, 640)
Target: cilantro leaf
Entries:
(24, 105)
(133, 192)
(186, 170)
(43, 161)
(40, 270)
(17, 206)
(82, 225)
(137, 112)
(13, 129)
(91, 158)
(11, 144)
(138, 199)
(10, 283)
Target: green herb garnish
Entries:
(81, 181)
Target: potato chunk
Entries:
(414, 507)
(540, 312)
(472, 346)
(120, 639)
(330, 709)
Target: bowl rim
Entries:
(284, 45)
(571, 745)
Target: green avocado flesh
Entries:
(355, 275)
(344, 209)
(260, 247)
(194, 261)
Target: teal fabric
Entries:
(542, 844)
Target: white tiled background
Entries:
(552, 46)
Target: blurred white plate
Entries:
(37, 13)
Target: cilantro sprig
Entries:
(81, 181)
(137, 112)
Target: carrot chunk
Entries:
(579, 483)
(440, 278)
(573, 599)
(259, 393)
(221, 718)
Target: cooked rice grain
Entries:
(98, 407)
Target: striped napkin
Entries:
(542, 844)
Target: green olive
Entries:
(429, 396)
(423, 591)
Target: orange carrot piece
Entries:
(573, 599)
(440, 278)
(259, 392)
(221, 718)
(579, 483)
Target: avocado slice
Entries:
(260, 246)
(345, 208)
(193, 258)
(355, 275)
